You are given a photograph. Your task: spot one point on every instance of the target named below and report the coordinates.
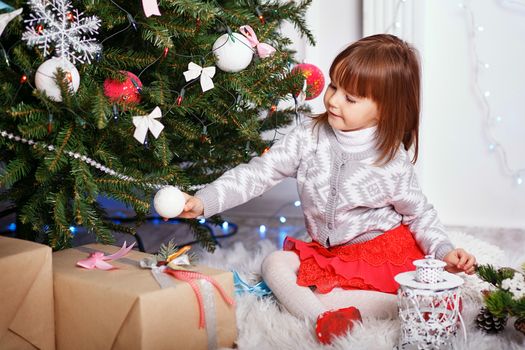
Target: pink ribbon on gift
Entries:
(97, 260)
(263, 50)
(191, 277)
(151, 7)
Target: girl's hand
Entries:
(459, 260)
(193, 207)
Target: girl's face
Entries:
(347, 112)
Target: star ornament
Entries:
(5, 18)
(148, 122)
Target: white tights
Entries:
(279, 270)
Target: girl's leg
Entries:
(279, 270)
(370, 303)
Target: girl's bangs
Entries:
(352, 77)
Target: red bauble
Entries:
(314, 79)
(127, 91)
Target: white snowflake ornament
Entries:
(54, 24)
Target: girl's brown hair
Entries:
(385, 69)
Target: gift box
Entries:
(26, 295)
(126, 308)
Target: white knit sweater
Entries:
(345, 197)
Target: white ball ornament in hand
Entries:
(169, 202)
(232, 55)
(45, 77)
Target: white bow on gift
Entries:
(194, 70)
(147, 122)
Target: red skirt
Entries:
(371, 265)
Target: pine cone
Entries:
(489, 323)
(520, 324)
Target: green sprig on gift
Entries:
(507, 298)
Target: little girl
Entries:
(365, 213)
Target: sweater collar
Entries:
(340, 143)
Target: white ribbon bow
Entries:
(147, 122)
(194, 70)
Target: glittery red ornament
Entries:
(127, 91)
(314, 79)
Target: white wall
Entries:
(335, 24)
(464, 179)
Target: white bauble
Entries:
(45, 77)
(232, 56)
(169, 202)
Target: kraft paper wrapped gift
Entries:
(125, 308)
(26, 295)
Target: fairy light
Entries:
(49, 123)
(180, 97)
(23, 79)
(488, 119)
(266, 150)
(165, 53)
(70, 16)
(395, 26)
(260, 15)
(40, 29)
(297, 203)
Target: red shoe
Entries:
(336, 323)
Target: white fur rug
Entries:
(263, 324)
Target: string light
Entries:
(181, 97)
(297, 203)
(50, 123)
(260, 15)
(395, 25)
(166, 50)
(493, 144)
(23, 79)
(132, 21)
(70, 16)
(40, 29)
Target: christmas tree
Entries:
(118, 98)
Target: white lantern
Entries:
(232, 52)
(45, 79)
(429, 305)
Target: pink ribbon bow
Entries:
(98, 259)
(150, 7)
(191, 277)
(263, 50)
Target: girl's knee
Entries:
(279, 260)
